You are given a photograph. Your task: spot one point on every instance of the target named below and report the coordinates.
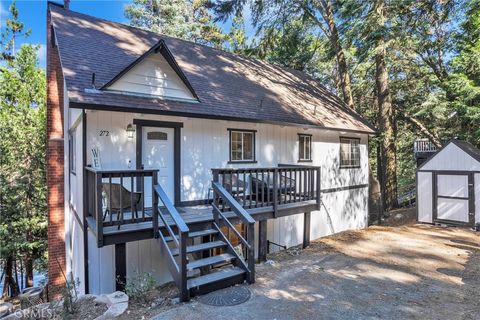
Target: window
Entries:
(72, 151)
(242, 145)
(157, 135)
(304, 147)
(349, 152)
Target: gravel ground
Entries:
(407, 272)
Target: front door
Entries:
(157, 153)
(454, 201)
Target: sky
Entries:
(33, 14)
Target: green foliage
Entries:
(189, 20)
(70, 297)
(23, 217)
(13, 29)
(432, 55)
(138, 286)
(463, 83)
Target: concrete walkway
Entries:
(414, 272)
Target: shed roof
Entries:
(228, 86)
(470, 160)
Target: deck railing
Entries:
(423, 145)
(273, 186)
(117, 198)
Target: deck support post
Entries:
(262, 241)
(306, 229)
(120, 266)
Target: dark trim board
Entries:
(177, 126)
(85, 205)
(102, 107)
(451, 172)
(471, 198)
(155, 123)
(75, 214)
(358, 186)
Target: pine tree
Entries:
(188, 20)
(23, 222)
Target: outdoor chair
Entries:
(130, 200)
(264, 186)
(233, 184)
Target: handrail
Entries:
(236, 207)
(289, 165)
(120, 171)
(283, 166)
(238, 234)
(220, 192)
(178, 269)
(179, 222)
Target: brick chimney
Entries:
(66, 4)
(55, 168)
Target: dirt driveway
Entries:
(409, 272)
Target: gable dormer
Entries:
(155, 74)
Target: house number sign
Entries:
(104, 133)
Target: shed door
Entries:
(454, 198)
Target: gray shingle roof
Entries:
(228, 86)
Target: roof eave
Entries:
(103, 107)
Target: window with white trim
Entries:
(242, 146)
(304, 147)
(349, 152)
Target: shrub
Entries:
(138, 286)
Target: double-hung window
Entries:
(242, 145)
(304, 147)
(349, 152)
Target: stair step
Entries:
(210, 261)
(195, 234)
(211, 278)
(202, 247)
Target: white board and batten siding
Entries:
(452, 165)
(205, 145)
(74, 244)
(153, 76)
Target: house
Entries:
(448, 186)
(170, 157)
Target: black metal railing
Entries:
(221, 195)
(117, 198)
(273, 186)
(177, 262)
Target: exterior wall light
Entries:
(130, 131)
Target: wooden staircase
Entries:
(207, 271)
(205, 260)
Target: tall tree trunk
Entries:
(326, 10)
(386, 117)
(10, 283)
(345, 82)
(28, 271)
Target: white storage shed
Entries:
(448, 186)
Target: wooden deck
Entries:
(196, 218)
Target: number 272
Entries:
(104, 133)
